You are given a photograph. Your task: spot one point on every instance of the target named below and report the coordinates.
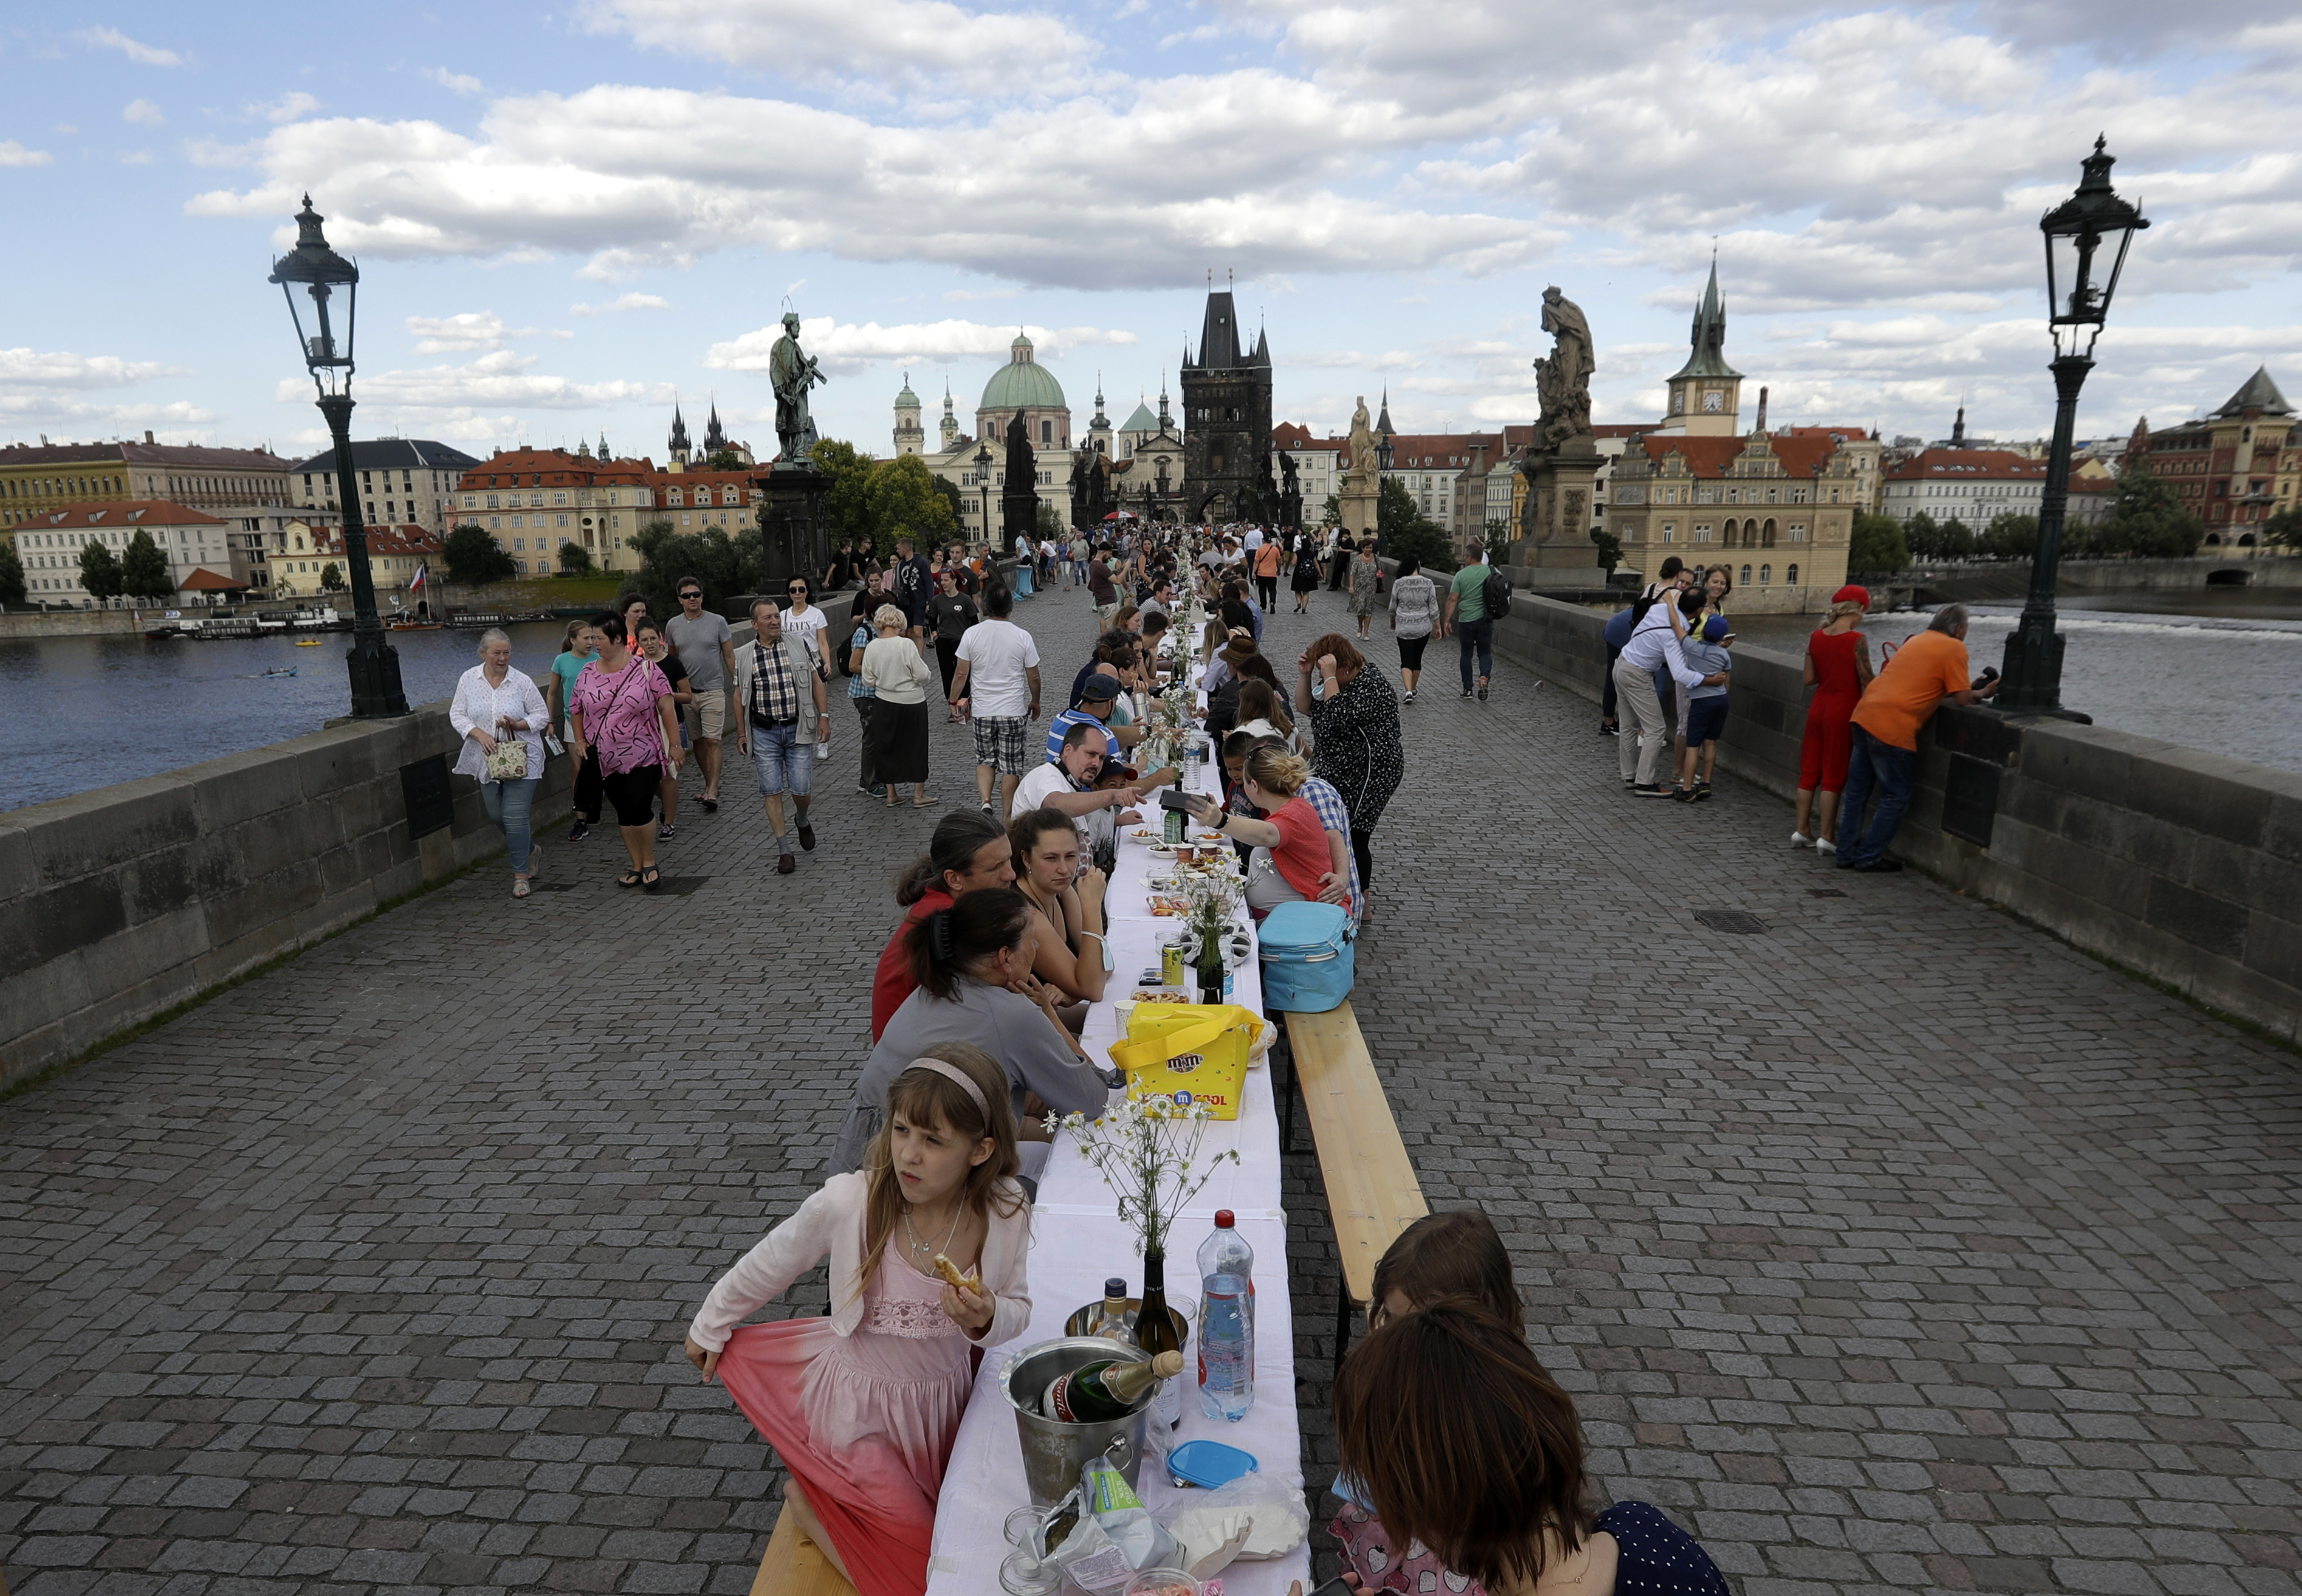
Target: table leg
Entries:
(1342, 1324)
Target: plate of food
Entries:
(1204, 837)
(1161, 998)
(1143, 834)
(1166, 907)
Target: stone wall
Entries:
(79, 623)
(2183, 865)
(131, 898)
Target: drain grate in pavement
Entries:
(1824, 892)
(679, 887)
(1732, 920)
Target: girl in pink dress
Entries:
(863, 1405)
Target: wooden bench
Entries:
(793, 1567)
(1371, 1191)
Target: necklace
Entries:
(920, 1247)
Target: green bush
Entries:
(473, 558)
(1877, 546)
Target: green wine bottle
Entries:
(1106, 1389)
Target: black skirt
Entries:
(899, 741)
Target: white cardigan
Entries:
(832, 1222)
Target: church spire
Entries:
(1706, 353)
(1383, 428)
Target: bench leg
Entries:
(1287, 1094)
(1342, 1326)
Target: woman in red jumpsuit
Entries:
(1838, 668)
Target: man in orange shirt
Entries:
(1266, 571)
(1901, 699)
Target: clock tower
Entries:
(1706, 393)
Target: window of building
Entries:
(1746, 576)
(1766, 575)
(1669, 532)
(1790, 577)
(1702, 534)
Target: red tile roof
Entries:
(205, 581)
(1711, 457)
(1966, 464)
(381, 539)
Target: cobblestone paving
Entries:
(1898, 1247)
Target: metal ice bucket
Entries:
(1053, 1452)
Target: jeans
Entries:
(782, 762)
(1871, 761)
(507, 803)
(1479, 635)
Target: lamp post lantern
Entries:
(318, 271)
(2091, 225)
(983, 481)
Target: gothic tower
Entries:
(678, 445)
(1226, 419)
(1706, 393)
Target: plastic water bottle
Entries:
(1226, 1323)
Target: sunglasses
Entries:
(685, 596)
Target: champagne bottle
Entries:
(1156, 1333)
(1106, 1389)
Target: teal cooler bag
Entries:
(1307, 961)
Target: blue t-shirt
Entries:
(1709, 658)
(1062, 725)
(567, 668)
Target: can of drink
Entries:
(1171, 964)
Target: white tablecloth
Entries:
(1079, 1241)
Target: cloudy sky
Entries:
(568, 216)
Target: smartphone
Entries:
(1337, 1587)
(1175, 798)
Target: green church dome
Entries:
(1022, 383)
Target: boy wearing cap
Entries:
(1706, 706)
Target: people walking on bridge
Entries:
(1306, 581)
(968, 851)
(1354, 719)
(1653, 645)
(782, 714)
(863, 1407)
(578, 649)
(1413, 616)
(951, 612)
(649, 641)
(623, 706)
(996, 684)
(1466, 617)
(706, 646)
(1883, 751)
(500, 715)
(1838, 668)
(900, 678)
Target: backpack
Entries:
(1496, 594)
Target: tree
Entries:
(473, 557)
(726, 459)
(99, 573)
(1610, 548)
(950, 492)
(2148, 520)
(847, 495)
(332, 578)
(2282, 531)
(2009, 536)
(724, 566)
(11, 575)
(574, 559)
(1405, 529)
(903, 502)
(144, 572)
(1331, 514)
(1928, 540)
(1051, 522)
(1877, 546)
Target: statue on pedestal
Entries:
(1563, 380)
(1362, 443)
(793, 372)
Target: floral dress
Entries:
(864, 1422)
(1363, 572)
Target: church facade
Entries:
(974, 460)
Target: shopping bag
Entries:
(1190, 1052)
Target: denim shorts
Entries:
(1706, 718)
(782, 761)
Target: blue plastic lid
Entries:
(1208, 1464)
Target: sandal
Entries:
(628, 879)
(651, 878)
(929, 803)
(519, 889)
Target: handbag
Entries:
(508, 760)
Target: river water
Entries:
(2208, 671)
(82, 712)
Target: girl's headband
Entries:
(953, 1072)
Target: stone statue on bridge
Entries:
(1563, 380)
(793, 372)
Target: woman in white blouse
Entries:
(494, 703)
(899, 677)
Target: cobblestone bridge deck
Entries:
(1895, 1247)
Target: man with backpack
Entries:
(1478, 597)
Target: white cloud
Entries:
(852, 346)
(454, 82)
(288, 107)
(61, 368)
(501, 378)
(623, 302)
(12, 154)
(143, 55)
(835, 39)
(468, 330)
(143, 112)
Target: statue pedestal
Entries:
(795, 541)
(1356, 507)
(1554, 542)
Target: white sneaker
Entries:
(1800, 839)
(1825, 845)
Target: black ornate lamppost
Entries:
(319, 270)
(2080, 232)
(983, 481)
